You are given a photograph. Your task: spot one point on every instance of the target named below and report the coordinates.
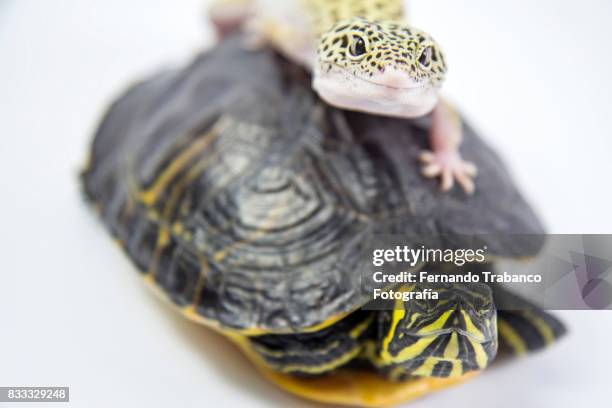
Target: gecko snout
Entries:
(395, 78)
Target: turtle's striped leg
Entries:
(314, 353)
(522, 326)
(523, 331)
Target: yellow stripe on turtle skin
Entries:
(294, 353)
(397, 315)
(358, 330)
(322, 368)
(541, 326)
(369, 353)
(354, 333)
(511, 337)
(471, 329)
(426, 368)
(414, 349)
(436, 325)
(481, 356)
(457, 369)
(451, 351)
(408, 353)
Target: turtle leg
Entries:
(314, 353)
(444, 160)
(523, 331)
(522, 327)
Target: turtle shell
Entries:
(246, 200)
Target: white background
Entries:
(533, 76)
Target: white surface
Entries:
(74, 312)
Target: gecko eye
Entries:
(357, 47)
(425, 57)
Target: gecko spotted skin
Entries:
(398, 69)
(365, 57)
(385, 45)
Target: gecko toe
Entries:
(451, 168)
(431, 170)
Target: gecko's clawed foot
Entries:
(449, 166)
(228, 16)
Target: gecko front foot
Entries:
(450, 166)
(228, 16)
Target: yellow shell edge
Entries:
(353, 388)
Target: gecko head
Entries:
(385, 68)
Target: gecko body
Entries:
(364, 57)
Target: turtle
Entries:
(244, 200)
